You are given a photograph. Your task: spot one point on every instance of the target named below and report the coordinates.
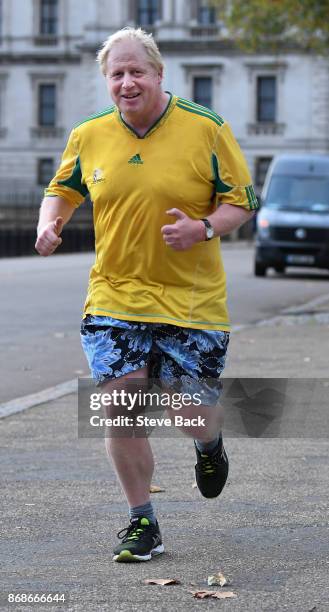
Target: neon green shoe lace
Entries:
(133, 532)
(207, 464)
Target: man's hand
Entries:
(185, 232)
(48, 237)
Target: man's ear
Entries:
(160, 76)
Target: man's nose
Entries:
(128, 81)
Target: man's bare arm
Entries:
(186, 231)
(228, 218)
(55, 212)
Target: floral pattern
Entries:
(192, 359)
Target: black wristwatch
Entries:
(210, 232)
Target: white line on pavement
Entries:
(47, 395)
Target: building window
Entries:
(266, 99)
(147, 12)
(206, 14)
(45, 171)
(48, 17)
(262, 164)
(202, 91)
(47, 105)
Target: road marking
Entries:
(71, 386)
(34, 399)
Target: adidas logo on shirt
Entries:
(136, 159)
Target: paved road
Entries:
(267, 532)
(42, 302)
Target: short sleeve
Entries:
(67, 182)
(230, 171)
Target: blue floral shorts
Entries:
(189, 360)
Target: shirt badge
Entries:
(98, 176)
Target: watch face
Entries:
(209, 232)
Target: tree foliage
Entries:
(271, 24)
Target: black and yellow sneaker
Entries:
(140, 541)
(211, 471)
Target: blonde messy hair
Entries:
(129, 33)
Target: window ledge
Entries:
(46, 40)
(47, 132)
(204, 31)
(266, 128)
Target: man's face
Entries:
(133, 83)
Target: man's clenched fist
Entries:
(49, 237)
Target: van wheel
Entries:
(260, 269)
(279, 269)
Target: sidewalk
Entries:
(292, 345)
(267, 532)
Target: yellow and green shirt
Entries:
(189, 159)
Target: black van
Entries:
(293, 222)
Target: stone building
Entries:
(49, 81)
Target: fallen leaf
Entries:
(155, 489)
(202, 594)
(161, 581)
(213, 594)
(223, 594)
(217, 580)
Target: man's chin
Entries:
(130, 110)
(132, 103)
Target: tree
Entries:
(261, 25)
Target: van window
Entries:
(299, 193)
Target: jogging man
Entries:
(167, 179)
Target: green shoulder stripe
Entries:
(197, 112)
(200, 109)
(74, 181)
(106, 111)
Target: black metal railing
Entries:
(18, 228)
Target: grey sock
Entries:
(208, 447)
(145, 510)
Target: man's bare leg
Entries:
(132, 457)
(133, 462)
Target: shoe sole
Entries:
(126, 556)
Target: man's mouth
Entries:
(130, 96)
